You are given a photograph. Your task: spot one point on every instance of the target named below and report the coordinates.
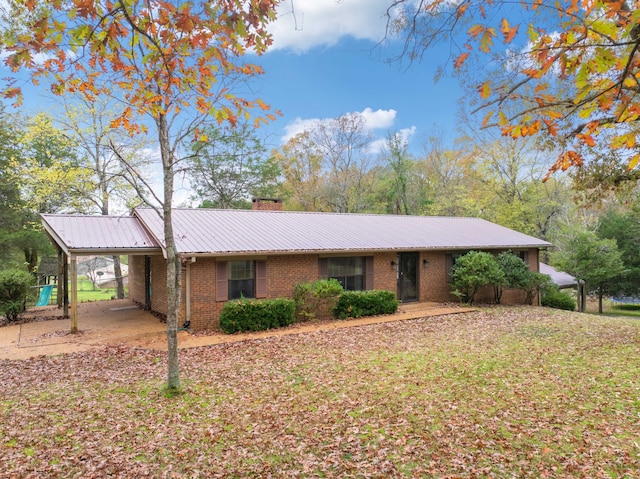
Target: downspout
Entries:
(187, 293)
(73, 270)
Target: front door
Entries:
(408, 277)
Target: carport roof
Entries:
(562, 279)
(83, 234)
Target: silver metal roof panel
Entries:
(77, 234)
(228, 232)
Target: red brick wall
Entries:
(284, 271)
(136, 278)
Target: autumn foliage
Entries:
(570, 69)
(162, 56)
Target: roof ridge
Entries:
(331, 213)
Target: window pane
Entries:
(240, 269)
(241, 288)
(349, 271)
(241, 279)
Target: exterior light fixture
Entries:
(425, 263)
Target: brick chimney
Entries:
(266, 204)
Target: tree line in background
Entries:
(75, 166)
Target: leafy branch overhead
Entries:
(164, 56)
(568, 70)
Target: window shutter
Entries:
(222, 286)
(261, 279)
(323, 268)
(368, 272)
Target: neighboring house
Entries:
(228, 254)
(100, 270)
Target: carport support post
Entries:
(74, 295)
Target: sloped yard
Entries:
(505, 392)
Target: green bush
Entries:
(256, 315)
(558, 300)
(15, 290)
(472, 271)
(354, 304)
(317, 299)
(537, 283)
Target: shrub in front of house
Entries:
(15, 290)
(256, 315)
(472, 271)
(355, 304)
(316, 300)
(554, 298)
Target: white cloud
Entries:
(380, 145)
(379, 118)
(304, 24)
(374, 120)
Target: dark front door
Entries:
(408, 277)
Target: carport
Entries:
(565, 280)
(79, 235)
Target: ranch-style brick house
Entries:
(264, 252)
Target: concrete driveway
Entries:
(120, 322)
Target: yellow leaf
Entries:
(485, 90)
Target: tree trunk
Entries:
(173, 259)
(31, 258)
(117, 271)
(600, 294)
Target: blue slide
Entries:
(45, 295)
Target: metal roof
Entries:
(562, 279)
(83, 234)
(228, 232)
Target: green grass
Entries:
(505, 392)
(86, 292)
(610, 308)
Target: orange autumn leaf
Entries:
(460, 11)
(460, 60)
(508, 32)
(587, 139)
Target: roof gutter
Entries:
(326, 252)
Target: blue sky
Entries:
(324, 63)
(329, 65)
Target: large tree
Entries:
(46, 172)
(11, 204)
(567, 70)
(231, 166)
(171, 64)
(623, 226)
(302, 170)
(108, 182)
(590, 259)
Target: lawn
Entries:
(86, 292)
(505, 392)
